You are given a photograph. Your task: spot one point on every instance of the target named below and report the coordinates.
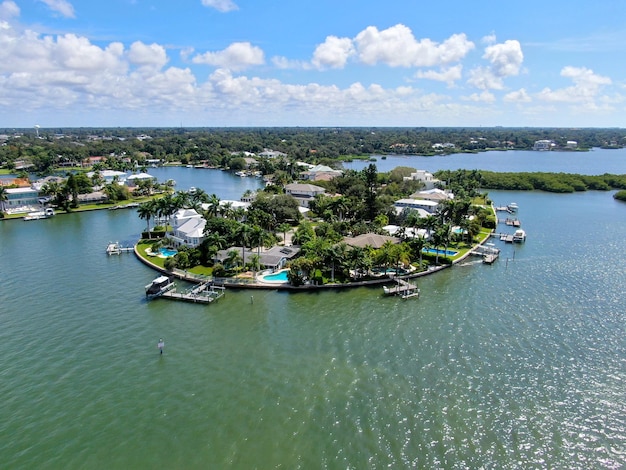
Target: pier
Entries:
(117, 249)
(204, 293)
(489, 253)
(402, 288)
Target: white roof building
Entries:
(425, 177)
(188, 227)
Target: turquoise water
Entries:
(519, 364)
(280, 276)
(167, 252)
(441, 252)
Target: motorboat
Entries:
(519, 236)
(512, 207)
(44, 214)
(159, 285)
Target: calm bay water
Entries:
(521, 364)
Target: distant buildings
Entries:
(543, 145)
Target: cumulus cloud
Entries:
(519, 96)
(221, 5)
(144, 55)
(333, 53)
(237, 56)
(505, 61)
(397, 47)
(448, 75)
(8, 10)
(62, 7)
(586, 88)
(506, 58)
(484, 79)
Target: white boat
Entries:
(158, 286)
(512, 207)
(519, 236)
(44, 214)
(241, 174)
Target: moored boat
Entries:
(158, 286)
(519, 236)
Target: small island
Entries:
(356, 228)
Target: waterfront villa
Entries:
(274, 258)
(21, 200)
(372, 240)
(187, 228)
(109, 176)
(133, 180)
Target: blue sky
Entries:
(83, 63)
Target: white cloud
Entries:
(143, 55)
(8, 10)
(63, 7)
(484, 97)
(333, 52)
(484, 79)
(489, 39)
(519, 96)
(586, 88)
(506, 58)
(221, 5)
(397, 47)
(237, 56)
(448, 75)
(284, 63)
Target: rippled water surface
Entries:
(521, 364)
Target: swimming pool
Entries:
(167, 252)
(432, 251)
(280, 276)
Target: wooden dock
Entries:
(402, 288)
(204, 293)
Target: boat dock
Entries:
(117, 249)
(402, 288)
(489, 253)
(204, 293)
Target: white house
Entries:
(133, 180)
(434, 194)
(110, 175)
(429, 206)
(425, 177)
(20, 200)
(188, 228)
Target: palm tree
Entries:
(284, 227)
(233, 259)
(147, 211)
(3, 198)
(214, 205)
(244, 234)
(418, 244)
